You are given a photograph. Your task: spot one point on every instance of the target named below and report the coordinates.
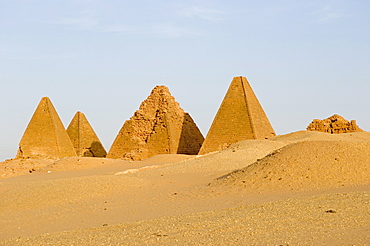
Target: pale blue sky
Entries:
(304, 59)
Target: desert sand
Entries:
(303, 188)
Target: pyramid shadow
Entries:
(95, 150)
(191, 138)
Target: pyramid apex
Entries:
(160, 86)
(45, 99)
(161, 89)
(242, 78)
(336, 116)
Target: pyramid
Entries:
(160, 126)
(45, 136)
(83, 137)
(334, 124)
(239, 117)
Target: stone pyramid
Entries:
(160, 126)
(239, 117)
(45, 136)
(84, 138)
(334, 124)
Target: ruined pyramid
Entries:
(84, 138)
(160, 126)
(45, 136)
(334, 124)
(239, 117)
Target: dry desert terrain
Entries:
(303, 188)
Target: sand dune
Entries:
(236, 156)
(305, 166)
(306, 188)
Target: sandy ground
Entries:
(304, 188)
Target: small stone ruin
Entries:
(334, 124)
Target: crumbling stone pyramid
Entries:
(45, 136)
(84, 138)
(334, 124)
(160, 126)
(239, 117)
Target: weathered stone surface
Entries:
(239, 117)
(160, 126)
(45, 136)
(84, 138)
(334, 124)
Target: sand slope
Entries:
(334, 219)
(307, 165)
(314, 136)
(305, 188)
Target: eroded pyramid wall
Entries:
(83, 137)
(239, 117)
(45, 136)
(160, 126)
